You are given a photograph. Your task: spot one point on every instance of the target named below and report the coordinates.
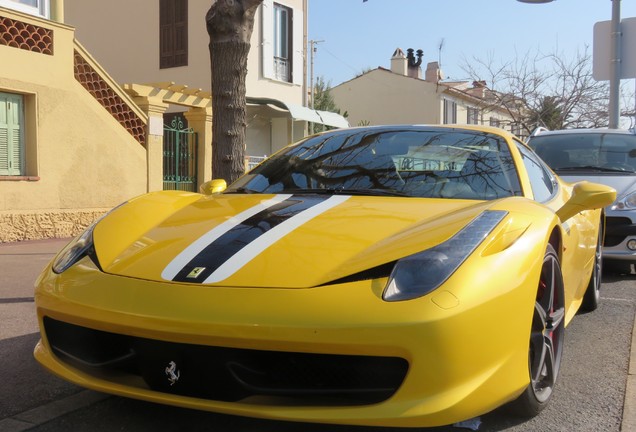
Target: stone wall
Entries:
(47, 224)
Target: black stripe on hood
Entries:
(227, 245)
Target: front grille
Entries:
(617, 229)
(228, 374)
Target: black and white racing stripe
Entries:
(224, 250)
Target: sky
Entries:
(357, 36)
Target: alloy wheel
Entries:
(548, 326)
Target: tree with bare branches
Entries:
(550, 90)
(229, 25)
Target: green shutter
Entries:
(11, 137)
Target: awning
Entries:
(299, 112)
(333, 119)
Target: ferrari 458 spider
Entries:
(396, 275)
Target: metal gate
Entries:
(179, 156)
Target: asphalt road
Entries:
(590, 394)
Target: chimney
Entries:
(433, 73)
(478, 89)
(414, 69)
(398, 62)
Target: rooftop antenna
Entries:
(439, 52)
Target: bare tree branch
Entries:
(537, 88)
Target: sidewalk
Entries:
(629, 408)
(20, 265)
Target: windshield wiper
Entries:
(242, 190)
(592, 168)
(343, 191)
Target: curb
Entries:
(629, 406)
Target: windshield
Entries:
(415, 162)
(599, 152)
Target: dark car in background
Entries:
(606, 156)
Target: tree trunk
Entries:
(229, 24)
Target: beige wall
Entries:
(123, 36)
(383, 97)
(80, 160)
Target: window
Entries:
(516, 129)
(173, 33)
(282, 52)
(282, 43)
(495, 122)
(12, 135)
(33, 7)
(473, 115)
(543, 184)
(450, 111)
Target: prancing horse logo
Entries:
(195, 272)
(172, 373)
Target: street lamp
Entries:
(615, 59)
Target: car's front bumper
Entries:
(620, 229)
(466, 347)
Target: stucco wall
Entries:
(80, 160)
(383, 97)
(123, 36)
(18, 226)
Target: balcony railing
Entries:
(252, 161)
(281, 69)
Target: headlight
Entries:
(421, 273)
(628, 202)
(77, 248)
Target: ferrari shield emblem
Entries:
(195, 272)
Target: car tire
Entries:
(546, 339)
(593, 292)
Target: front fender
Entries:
(124, 225)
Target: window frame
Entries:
(173, 33)
(450, 111)
(42, 9)
(472, 115)
(282, 42)
(528, 154)
(14, 156)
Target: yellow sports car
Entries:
(393, 275)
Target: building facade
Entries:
(66, 154)
(86, 88)
(166, 41)
(408, 95)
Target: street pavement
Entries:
(52, 404)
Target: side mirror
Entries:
(213, 186)
(586, 196)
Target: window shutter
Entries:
(11, 139)
(4, 137)
(181, 33)
(173, 33)
(298, 50)
(166, 34)
(267, 48)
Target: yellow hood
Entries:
(286, 241)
